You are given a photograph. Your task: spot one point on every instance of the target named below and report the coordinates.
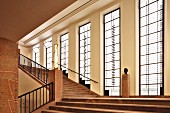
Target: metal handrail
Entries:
(36, 98)
(37, 70)
(33, 61)
(79, 74)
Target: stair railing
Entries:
(34, 68)
(78, 73)
(37, 98)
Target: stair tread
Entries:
(101, 110)
(111, 98)
(75, 92)
(55, 111)
(142, 101)
(118, 104)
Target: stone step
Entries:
(73, 88)
(142, 101)
(90, 110)
(79, 92)
(68, 89)
(70, 96)
(116, 106)
(54, 111)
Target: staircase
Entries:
(111, 105)
(84, 80)
(79, 99)
(72, 89)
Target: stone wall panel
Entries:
(8, 76)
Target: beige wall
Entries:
(129, 44)
(95, 52)
(73, 53)
(26, 83)
(167, 49)
(128, 41)
(25, 51)
(42, 54)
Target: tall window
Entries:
(48, 51)
(64, 52)
(84, 52)
(151, 47)
(112, 53)
(36, 53)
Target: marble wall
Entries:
(8, 76)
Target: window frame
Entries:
(110, 53)
(33, 51)
(86, 52)
(66, 51)
(46, 52)
(163, 37)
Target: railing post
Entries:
(46, 78)
(18, 59)
(53, 91)
(21, 105)
(25, 104)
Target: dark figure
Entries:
(125, 70)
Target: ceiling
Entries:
(75, 12)
(20, 17)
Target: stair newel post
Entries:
(56, 76)
(58, 86)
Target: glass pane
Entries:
(151, 50)
(85, 52)
(112, 52)
(64, 51)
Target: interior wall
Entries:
(128, 50)
(25, 51)
(167, 49)
(42, 54)
(95, 53)
(73, 53)
(26, 83)
(8, 76)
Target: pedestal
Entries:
(125, 85)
